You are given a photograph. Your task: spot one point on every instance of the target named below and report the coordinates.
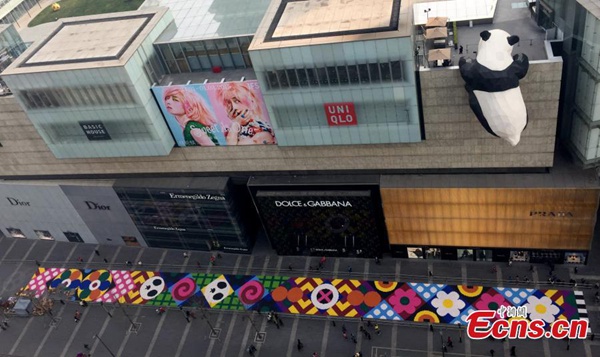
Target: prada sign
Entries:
(15, 202)
(550, 214)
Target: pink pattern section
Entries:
(123, 284)
(38, 283)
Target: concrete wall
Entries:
(455, 139)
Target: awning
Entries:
(436, 32)
(440, 54)
(436, 21)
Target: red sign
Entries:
(340, 114)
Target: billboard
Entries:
(216, 114)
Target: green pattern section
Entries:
(232, 302)
(204, 279)
(271, 282)
(163, 299)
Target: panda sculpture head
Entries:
(495, 49)
(492, 82)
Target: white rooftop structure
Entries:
(455, 11)
(89, 42)
(316, 16)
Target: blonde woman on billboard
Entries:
(248, 127)
(192, 114)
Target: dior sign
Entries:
(15, 202)
(96, 206)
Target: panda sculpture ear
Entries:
(513, 39)
(485, 35)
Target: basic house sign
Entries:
(339, 114)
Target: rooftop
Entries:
(204, 19)
(509, 16)
(593, 6)
(88, 42)
(310, 22)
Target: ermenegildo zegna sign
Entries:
(333, 222)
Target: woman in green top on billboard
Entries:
(200, 127)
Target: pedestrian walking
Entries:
(333, 323)
(38, 263)
(431, 327)
(430, 273)
(510, 262)
(276, 323)
(128, 263)
(460, 50)
(290, 267)
(450, 343)
(368, 323)
(344, 328)
(345, 335)
(300, 345)
(161, 310)
(315, 354)
(377, 261)
(140, 263)
(576, 270)
(219, 256)
(80, 259)
(2, 327)
(97, 252)
(83, 303)
(509, 277)
(212, 260)
(492, 352)
(86, 347)
(513, 351)
(361, 329)
(368, 335)
(349, 269)
(279, 320)
(185, 255)
(531, 268)
(353, 338)
(377, 330)
(105, 260)
(77, 316)
(323, 260)
(198, 265)
(518, 279)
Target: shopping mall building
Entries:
(318, 126)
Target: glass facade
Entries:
(197, 56)
(18, 11)
(185, 218)
(364, 73)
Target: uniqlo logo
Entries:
(340, 114)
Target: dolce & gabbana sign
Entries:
(300, 203)
(16, 202)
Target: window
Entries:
(322, 75)
(73, 237)
(396, 70)
(291, 74)
(343, 74)
(386, 75)
(45, 235)
(77, 96)
(302, 77)
(15, 233)
(272, 80)
(332, 73)
(363, 73)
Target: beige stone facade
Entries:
(454, 139)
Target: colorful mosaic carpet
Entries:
(387, 300)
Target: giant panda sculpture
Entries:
(492, 81)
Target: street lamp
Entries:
(427, 12)
(105, 346)
(443, 346)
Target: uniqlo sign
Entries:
(340, 114)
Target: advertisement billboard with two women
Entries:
(216, 114)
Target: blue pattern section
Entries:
(426, 291)
(515, 296)
(383, 311)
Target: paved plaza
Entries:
(137, 330)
